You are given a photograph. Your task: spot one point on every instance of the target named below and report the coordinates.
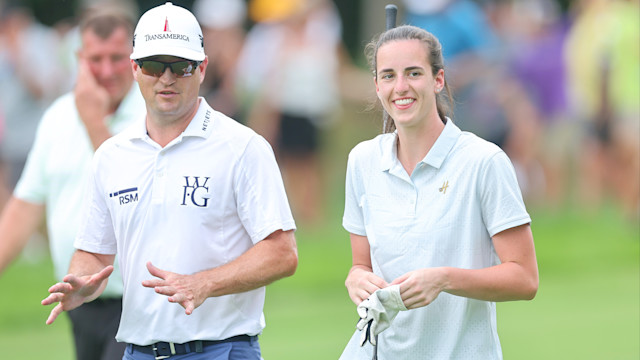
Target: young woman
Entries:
(434, 210)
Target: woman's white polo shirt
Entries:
(463, 192)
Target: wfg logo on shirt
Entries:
(125, 196)
(196, 191)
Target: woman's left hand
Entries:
(421, 287)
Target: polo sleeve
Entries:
(96, 233)
(32, 185)
(353, 219)
(500, 196)
(262, 202)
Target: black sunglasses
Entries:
(156, 68)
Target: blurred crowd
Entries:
(557, 86)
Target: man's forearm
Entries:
(271, 259)
(18, 222)
(86, 264)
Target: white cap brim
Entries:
(180, 52)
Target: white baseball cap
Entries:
(168, 30)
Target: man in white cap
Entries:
(194, 205)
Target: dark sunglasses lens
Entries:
(183, 68)
(153, 68)
(157, 68)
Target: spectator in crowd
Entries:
(602, 54)
(104, 101)
(535, 31)
(288, 77)
(29, 80)
(223, 30)
(4, 176)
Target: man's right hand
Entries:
(74, 291)
(92, 100)
(93, 103)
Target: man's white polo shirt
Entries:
(463, 192)
(198, 203)
(57, 169)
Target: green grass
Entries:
(587, 306)
(23, 333)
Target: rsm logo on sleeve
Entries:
(125, 196)
(196, 191)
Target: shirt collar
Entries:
(389, 150)
(131, 106)
(436, 155)
(199, 126)
(128, 106)
(202, 122)
(443, 145)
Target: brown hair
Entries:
(444, 100)
(104, 22)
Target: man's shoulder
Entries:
(118, 140)
(234, 133)
(65, 100)
(62, 107)
(60, 116)
(234, 127)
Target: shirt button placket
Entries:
(159, 178)
(413, 201)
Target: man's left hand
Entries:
(186, 290)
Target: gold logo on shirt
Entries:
(444, 187)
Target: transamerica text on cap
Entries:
(166, 36)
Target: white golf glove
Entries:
(378, 311)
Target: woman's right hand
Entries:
(361, 283)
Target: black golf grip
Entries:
(391, 12)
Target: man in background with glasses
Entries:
(194, 205)
(104, 101)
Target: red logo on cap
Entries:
(166, 25)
